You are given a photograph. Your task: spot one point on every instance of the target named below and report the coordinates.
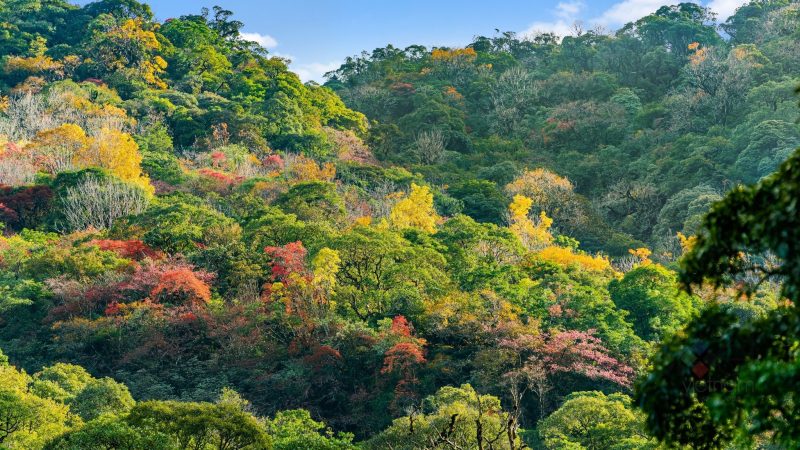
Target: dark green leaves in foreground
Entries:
(726, 378)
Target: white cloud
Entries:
(559, 28)
(569, 10)
(724, 8)
(314, 71)
(263, 40)
(306, 72)
(567, 13)
(629, 11)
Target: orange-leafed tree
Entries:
(181, 286)
(403, 359)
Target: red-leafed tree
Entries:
(148, 274)
(402, 360)
(292, 282)
(76, 298)
(274, 162)
(223, 180)
(131, 249)
(401, 326)
(24, 207)
(583, 353)
(181, 286)
(323, 357)
(287, 259)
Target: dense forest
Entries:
(545, 242)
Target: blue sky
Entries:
(318, 34)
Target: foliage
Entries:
(650, 295)
(296, 429)
(180, 213)
(736, 371)
(453, 417)
(415, 210)
(28, 420)
(592, 420)
(200, 424)
(534, 236)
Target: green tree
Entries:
(381, 273)
(112, 433)
(313, 201)
(724, 378)
(595, 421)
(26, 419)
(180, 223)
(296, 429)
(60, 382)
(483, 200)
(103, 396)
(454, 417)
(651, 295)
(198, 425)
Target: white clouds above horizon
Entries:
(564, 16)
(568, 12)
(263, 40)
(628, 11)
(314, 71)
(724, 8)
(307, 72)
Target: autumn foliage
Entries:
(132, 249)
(415, 210)
(495, 230)
(181, 286)
(287, 259)
(583, 353)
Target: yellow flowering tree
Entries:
(642, 255)
(566, 257)
(57, 148)
(127, 47)
(117, 152)
(533, 235)
(326, 265)
(415, 211)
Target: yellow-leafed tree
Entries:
(566, 257)
(117, 152)
(57, 148)
(326, 266)
(415, 211)
(534, 235)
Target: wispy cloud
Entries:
(314, 71)
(567, 13)
(569, 10)
(725, 8)
(630, 10)
(263, 40)
(306, 71)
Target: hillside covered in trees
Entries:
(501, 246)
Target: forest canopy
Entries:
(531, 241)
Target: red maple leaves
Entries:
(287, 259)
(131, 249)
(181, 286)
